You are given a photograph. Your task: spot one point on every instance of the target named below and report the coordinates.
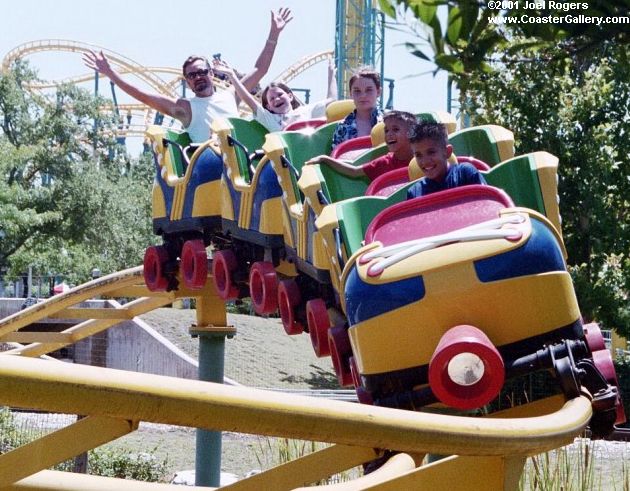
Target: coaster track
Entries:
(163, 80)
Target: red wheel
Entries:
(263, 287)
(194, 264)
(340, 351)
(223, 265)
(155, 257)
(594, 337)
(318, 325)
(604, 363)
(288, 299)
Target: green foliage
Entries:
(469, 41)
(564, 468)
(578, 112)
(10, 436)
(70, 200)
(123, 464)
(560, 87)
(585, 465)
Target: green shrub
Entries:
(10, 436)
(124, 464)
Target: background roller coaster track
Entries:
(148, 75)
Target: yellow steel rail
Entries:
(64, 388)
(86, 291)
(136, 397)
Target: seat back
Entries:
(490, 143)
(437, 214)
(250, 136)
(387, 183)
(338, 187)
(306, 124)
(176, 152)
(355, 215)
(531, 181)
(169, 147)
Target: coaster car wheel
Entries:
(224, 263)
(263, 287)
(194, 264)
(318, 325)
(155, 258)
(289, 298)
(341, 351)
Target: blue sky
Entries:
(145, 32)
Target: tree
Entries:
(68, 201)
(476, 32)
(563, 88)
(583, 117)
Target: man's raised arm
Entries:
(164, 104)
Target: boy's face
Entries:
(396, 136)
(432, 157)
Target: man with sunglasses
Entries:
(197, 113)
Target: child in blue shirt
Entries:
(429, 143)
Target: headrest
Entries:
(337, 110)
(377, 135)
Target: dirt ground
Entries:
(260, 355)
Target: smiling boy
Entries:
(430, 147)
(397, 126)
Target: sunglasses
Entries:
(198, 73)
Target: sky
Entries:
(145, 32)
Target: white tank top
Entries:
(204, 110)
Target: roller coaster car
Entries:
(478, 293)
(321, 185)
(250, 252)
(186, 210)
(529, 179)
(268, 227)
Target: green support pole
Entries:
(212, 330)
(208, 450)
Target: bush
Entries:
(10, 436)
(123, 464)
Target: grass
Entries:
(582, 466)
(271, 452)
